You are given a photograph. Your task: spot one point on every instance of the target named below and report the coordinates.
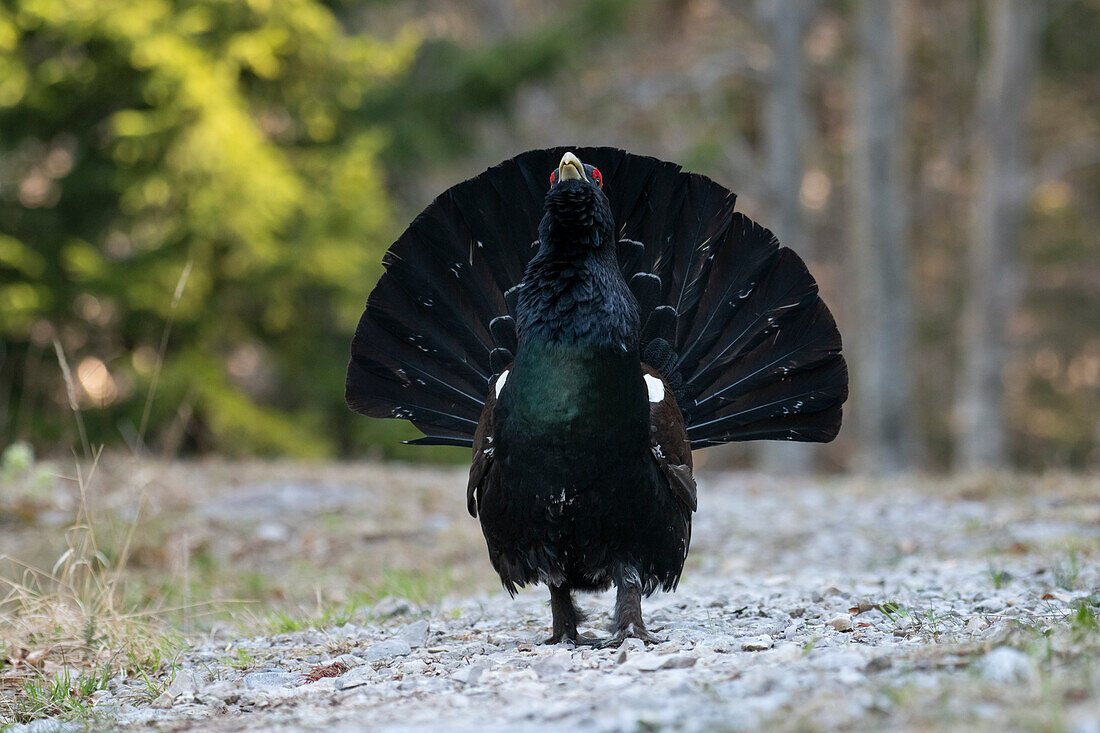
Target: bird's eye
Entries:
(553, 177)
(597, 177)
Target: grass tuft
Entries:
(65, 633)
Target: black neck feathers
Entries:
(572, 290)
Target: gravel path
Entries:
(806, 605)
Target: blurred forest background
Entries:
(195, 197)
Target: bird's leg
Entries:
(627, 622)
(566, 616)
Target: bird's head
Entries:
(577, 211)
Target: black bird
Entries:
(583, 331)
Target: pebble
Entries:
(356, 677)
(757, 644)
(396, 647)
(1005, 664)
(843, 622)
(415, 633)
(470, 674)
(552, 667)
(349, 660)
(185, 681)
(266, 680)
(653, 662)
(163, 701)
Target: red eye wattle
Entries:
(597, 177)
(553, 177)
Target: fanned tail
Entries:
(731, 319)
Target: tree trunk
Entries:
(784, 136)
(881, 374)
(1002, 191)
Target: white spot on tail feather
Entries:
(501, 380)
(653, 385)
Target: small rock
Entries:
(163, 701)
(757, 644)
(392, 606)
(647, 663)
(720, 644)
(653, 662)
(990, 605)
(469, 675)
(1005, 664)
(264, 680)
(552, 667)
(416, 666)
(415, 633)
(843, 622)
(349, 660)
(325, 684)
(792, 630)
(357, 677)
(396, 647)
(185, 681)
(678, 661)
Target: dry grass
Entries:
(65, 631)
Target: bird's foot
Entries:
(575, 639)
(630, 632)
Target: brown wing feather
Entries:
(670, 445)
(483, 449)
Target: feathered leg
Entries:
(627, 622)
(566, 617)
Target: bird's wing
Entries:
(484, 449)
(669, 439)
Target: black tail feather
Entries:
(734, 319)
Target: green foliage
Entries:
(65, 694)
(193, 203)
(450, 85)
(140, 138)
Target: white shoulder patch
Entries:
(653, 384)
(504, 378)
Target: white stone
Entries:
(470, 674)
(842, 622)
(395, 647)
(415, 633)
(1005, 664)
(757, 644)
(266, 680)
(357, 677)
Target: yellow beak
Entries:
(570, 168)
